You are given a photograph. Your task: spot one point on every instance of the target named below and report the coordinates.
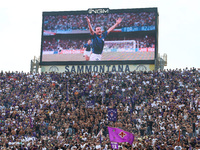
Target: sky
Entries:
(21, 28)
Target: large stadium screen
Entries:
(99, 36)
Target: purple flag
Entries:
(119, 135)
(112, 114)
(90, 103)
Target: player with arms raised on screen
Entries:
(98, 38)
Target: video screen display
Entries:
(99, 36)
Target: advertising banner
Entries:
(97, 68)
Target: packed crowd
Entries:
(48, 110)
(78, 22)
(77, 44)
(67, 44)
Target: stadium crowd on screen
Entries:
(74, 22)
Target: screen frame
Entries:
(110, 62)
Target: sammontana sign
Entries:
(97, 68)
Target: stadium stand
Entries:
(48, 110)
(53, 44)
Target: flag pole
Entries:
(103, 94)
(179, 134)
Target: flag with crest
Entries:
(112, 114)
(119, 135)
